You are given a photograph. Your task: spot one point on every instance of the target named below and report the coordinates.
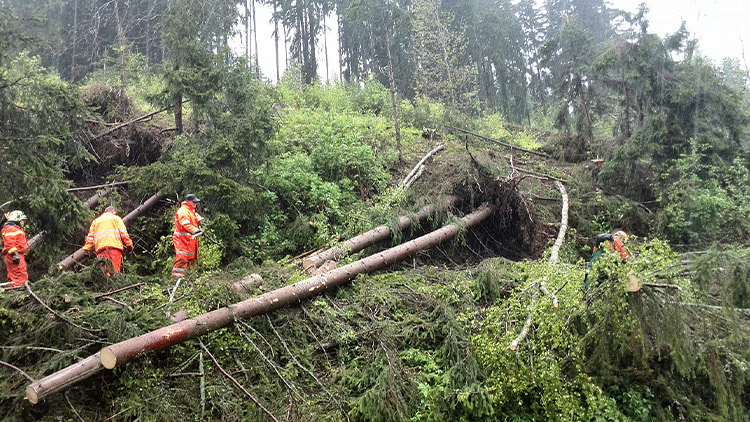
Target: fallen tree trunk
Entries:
(246, 285)
(371, 237)
(63, 378)
(554, 258)
(83, 188)
(37, 238)
(554, 255)
(123, 352)
(78, 255)
(127, 350)
(136, 120)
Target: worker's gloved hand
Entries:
(129, 249)
(196, 233)
(16, 258)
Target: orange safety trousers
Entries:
(112, 254)
(181, 267)
(16, 272)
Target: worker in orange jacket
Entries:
(108, 237)
(15, 248)
(612, 243)
(187, 224)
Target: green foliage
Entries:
(39, 115)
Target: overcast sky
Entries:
(721, 26)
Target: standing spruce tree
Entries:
(444, 70)
(574, 32)
(376, 40)
(40, 116)
(305, 17)
(498, 48)
(77, 37)
(195, 37)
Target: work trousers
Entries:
(181, 267)
(16, 272)
(112, 254)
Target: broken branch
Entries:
(236, 383)
(419, 165)
(522, 335)
(119, 290)
(55, 313)
(554, 255)
(495, 141)
(17, 369)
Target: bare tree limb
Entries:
(524, 332)
(236, 383)
(84, 188)
(554, 255)
(405, 183)
(101, 296)
(17, 369)
(66, 320)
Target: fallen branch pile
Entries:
(118, 354)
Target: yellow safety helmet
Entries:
(15, 216)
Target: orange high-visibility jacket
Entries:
(185, 223)
(107, 231)
(14, 239)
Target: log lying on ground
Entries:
(554, 255)
(63, 378)
(78, 255)
(123, 352)
(554, 258)
(247, 284)
(378, 234)
(37, 239)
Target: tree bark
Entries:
(75, 42)
(78, 255)
(276, 40)
(123, 352)
(378, 234)
(247, 33)
(392, 85)
(255, 41)
(247, 284)
(419, 164)
(63, 378)
(177, 104)
(554, 255)
(588, 131)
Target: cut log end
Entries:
(108, 358)
(513, 345)
(634, 284)
(308, 265)
(31, 394)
